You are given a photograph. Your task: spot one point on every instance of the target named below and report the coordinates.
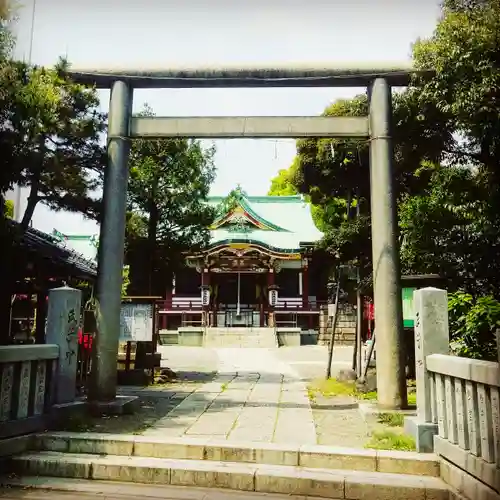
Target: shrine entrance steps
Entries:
(159, 467)
(240, 337)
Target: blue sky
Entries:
(208, 32)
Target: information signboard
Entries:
(408, 309)
(136, 322)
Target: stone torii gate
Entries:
(376, 128)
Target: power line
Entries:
(32, 33)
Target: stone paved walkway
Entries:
(254, 397)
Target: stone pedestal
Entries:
(121, 405)
(431, 337)
(63, 322)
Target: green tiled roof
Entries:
(288, 218)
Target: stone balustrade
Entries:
(27, 381)
(457, 401)
(38, 382)
(465, 407)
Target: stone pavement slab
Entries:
(255, 397)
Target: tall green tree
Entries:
(283, 184)
(335, 173)
(169, 184)
(446, 230)
(461, 200)
(54, 128)
(7, 171)
(50, 142)
(464, 50)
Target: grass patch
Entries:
(330, 388)
(390, 440)
(333, 387)
(391, 419)
(412, 398)
(368, 396)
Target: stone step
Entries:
(311, 456)
(240, 337)
(53, 488)
(264, 478)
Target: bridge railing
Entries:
(457, 399)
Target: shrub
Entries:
(473, 323)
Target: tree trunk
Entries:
(30, 207)
(152, 227)
(35, 185)
(7, 270)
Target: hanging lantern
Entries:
(205, 295)
(273, 295)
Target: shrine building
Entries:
(257, 270)
(259, 273)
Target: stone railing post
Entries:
(63, 321)
(431, 337)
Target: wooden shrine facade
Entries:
(256, 271)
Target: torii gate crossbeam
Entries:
(376, 128)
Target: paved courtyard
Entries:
(241, 394)
(257, 395)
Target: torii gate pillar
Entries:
(111, 245)
(391, 384)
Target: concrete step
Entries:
(264, 478)
(311, 456)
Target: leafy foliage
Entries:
(168, 186)
(465, 50)
(473, 323)
(454, 227)
(447, 230)
(50, 132)
(335, 174)
(9, 209)
(282, 184)
(285, 184)
(126, 280)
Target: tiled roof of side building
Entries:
(49, 247)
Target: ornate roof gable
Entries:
(236, 214)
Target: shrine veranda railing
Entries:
(193, 304)
(27, 375)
